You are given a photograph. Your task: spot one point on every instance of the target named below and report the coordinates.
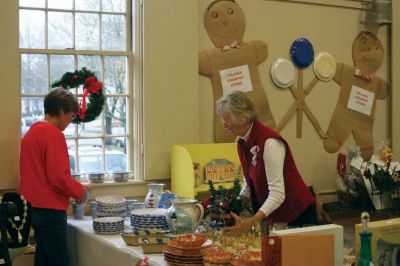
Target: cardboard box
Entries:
(385, 241)
(327, 229)
(299, 250)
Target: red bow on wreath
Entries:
(91, 86)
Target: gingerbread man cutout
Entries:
(359, 91)
(233, 64)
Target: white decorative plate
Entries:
(282, 73)
(110, 200)
(149, 212)
(324, 66)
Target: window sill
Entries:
(130, 189)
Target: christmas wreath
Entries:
(92, 89)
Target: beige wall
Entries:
(9, 92)
(178, 102)
(331, 29)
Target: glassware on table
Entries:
(93, 206)
(279, 226)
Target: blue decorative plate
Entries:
(302, 52)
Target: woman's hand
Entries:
(259, 216)
(86, 192)
(242, 223)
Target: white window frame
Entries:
(134, 69)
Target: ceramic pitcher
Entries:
(184, 215)
(154, 194)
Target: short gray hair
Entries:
(239, 106)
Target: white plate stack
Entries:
(108, 225)
(149, 218)
(111, 206)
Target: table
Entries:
(88, 248)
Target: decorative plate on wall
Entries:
(282, 73)
(324, 66)
(302, 52)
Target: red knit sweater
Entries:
(45, 176)
(297, 195)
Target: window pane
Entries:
(70, 131)
(89, 5)
(91, 62)
(87, 32)
(114, 5)
(64, 4)
(115, 161)
(90, 129)
(90, 155)
(31, 112)
(116, 143)
(114, 32)
(115, 110)
(34, 74)
(31, 29)
(115, 74)
(59, 64)
(60, 30)
(31, 3)
(72, 156)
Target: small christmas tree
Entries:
(224, 200)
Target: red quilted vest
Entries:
(298, 197)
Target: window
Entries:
(59, 36)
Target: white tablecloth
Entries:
(87, 248)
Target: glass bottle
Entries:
(365, 258)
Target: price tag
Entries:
(2, 261)
(16, 218)
(357, 162)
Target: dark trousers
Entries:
(51, 237)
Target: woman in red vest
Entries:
(272, 181)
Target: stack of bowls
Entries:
(111, 206)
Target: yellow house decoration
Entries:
(220, 170)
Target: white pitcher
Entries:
(184, 215)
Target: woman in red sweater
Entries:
(272, 181)
(45, 177)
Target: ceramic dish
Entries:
(120, 176)
(190, 252)
(176, 245)
(149, 212)
(131, 237)
(110, 200)
(219, 258)
(96, 177)
(283, 73)
(191, 240)
(153, 245)
(324, 66)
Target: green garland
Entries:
(93, 89)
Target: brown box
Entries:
(299, 250)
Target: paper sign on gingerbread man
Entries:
(233, 64)
(359, 91)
